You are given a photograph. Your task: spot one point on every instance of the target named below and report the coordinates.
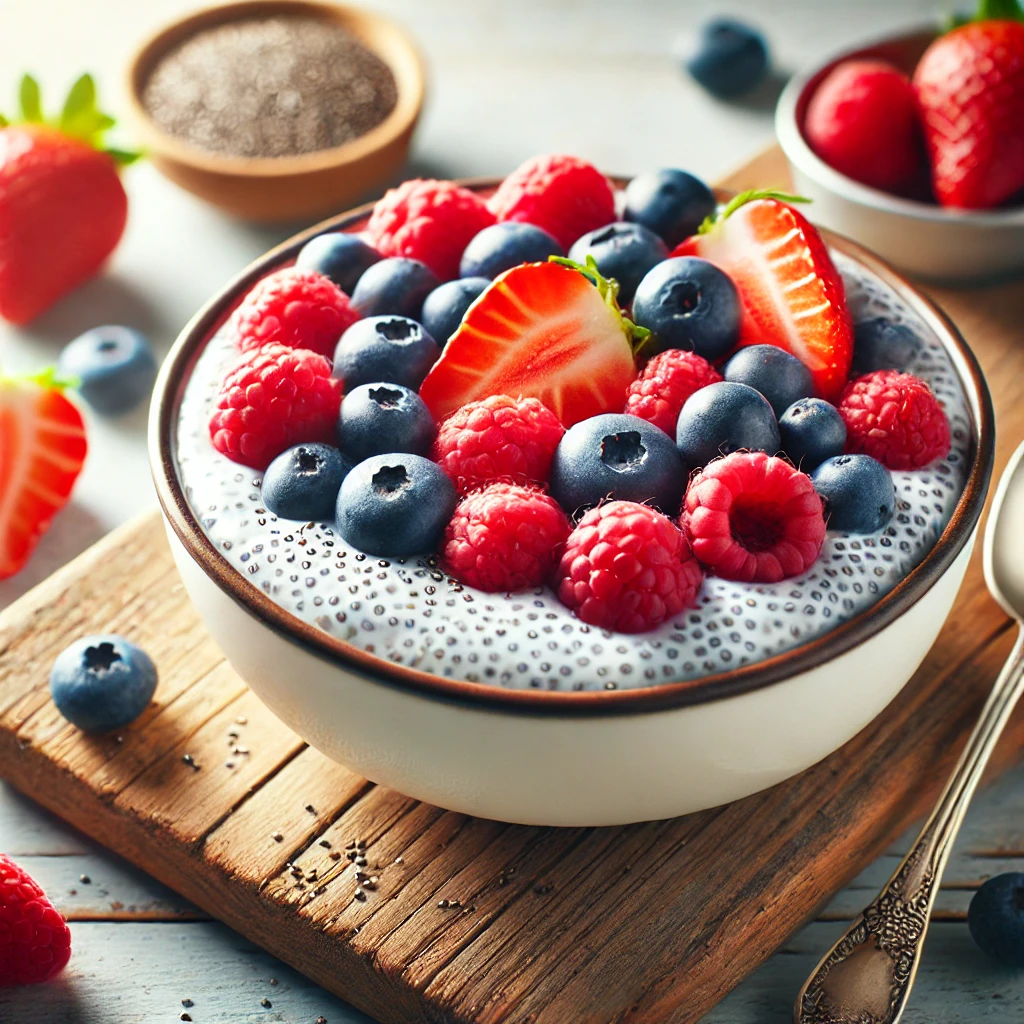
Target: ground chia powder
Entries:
(270, 86)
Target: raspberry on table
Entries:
(627, 567)
(665, 384)
(498, 438)
(505, 538)
(293, 307)
(430, 221)
(35, 943)
(894, 418)
(564, 195)
(273, 398)
(754, 518)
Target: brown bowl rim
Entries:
(407, 109)
(167, 396)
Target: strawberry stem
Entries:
(741, 199)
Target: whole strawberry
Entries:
(970, 89)
(35, 943)
(62, 205)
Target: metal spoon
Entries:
(867, 975)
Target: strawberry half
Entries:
(42, 449)
(793, 296)
(541, 330)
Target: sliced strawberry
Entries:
(793, 296)
(42, 449)
(541, 330)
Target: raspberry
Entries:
(272, 398)
(498, 438)
(430, 221)
(35, 943)
(627, 567)
(895, 418)
(505, 538)
(297, 308)
(564, 195)
(753, 517)
(666, 383)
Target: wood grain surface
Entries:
(471, 920)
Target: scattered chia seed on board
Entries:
(270, 87)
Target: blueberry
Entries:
(673, 204)
(379, 418)
(340, 256)
(445, 306)
(779, 376)
(395, 505)
(303, 482)
(394, 287)
(623, 251)
(880, 344)
(101, 683)
(689, 303)
(996, 918)
(723, 418)
(730, 58)
(502, 246)
(115, 367)
(617, 456)
(812, 431)
(858, 492)
(393, 349)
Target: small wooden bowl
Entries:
(290, 187)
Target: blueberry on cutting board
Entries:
(996, 918)
(114, 366)
(729, 58)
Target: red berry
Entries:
(862, 120)
(627, 567)
(35, 943)
(564, 195)
(752, 517)
(895, 418)
(429, 221)
(498, 438)
(505, 538)
(273, 398)
(297, 308)
(667, 381)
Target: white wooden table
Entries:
(508, 80)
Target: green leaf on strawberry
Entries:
(29, 99)
(741, 199)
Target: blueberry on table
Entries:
(340, 256)
(671, 203)
(812, 431)
(729, 59)
(394, 287)
(303, 482)
(617, 456)
(623, 251)
(379, 418)
(996, 918)
(444, 307)
(722, 418)
(881, 344)
(502, 246)
(101, 683)
(858, 492)
(395, 505)
(689, 303)
(779, 376)
(115, 367)
(393, 349)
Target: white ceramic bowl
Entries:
(926, 240)
(563, 758)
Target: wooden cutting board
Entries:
(471, 920)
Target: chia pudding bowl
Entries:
(508, 706)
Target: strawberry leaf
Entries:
(80, 118)
(123, 157)
(29, 99)
(741, 199)
(999, 10)
(3, 121)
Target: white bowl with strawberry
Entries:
(914, 145)
(589, 560)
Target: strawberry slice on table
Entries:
(541, 330)
(793, 296)
(42, 449)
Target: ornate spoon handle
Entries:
(867, 975)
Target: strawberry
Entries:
(62, 205)
(793, 296)
(970, 89)
(541, 330)
(42, 448)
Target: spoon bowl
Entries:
(1003, 551)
